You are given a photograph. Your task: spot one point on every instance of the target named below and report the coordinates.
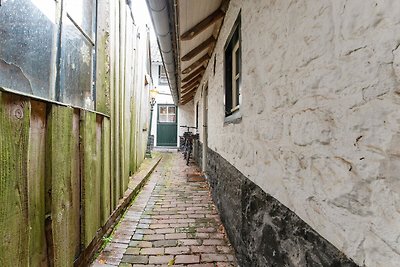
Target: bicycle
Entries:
(187, 141)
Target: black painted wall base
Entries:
(262, 230)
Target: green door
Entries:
(167, 129)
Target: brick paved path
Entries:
(172, 222)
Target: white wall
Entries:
(186, 117)
(163, 97)
(320, 127)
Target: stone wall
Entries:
(262, 230)
(320, 127)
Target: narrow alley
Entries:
(172, 221)
(288, 110)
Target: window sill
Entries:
(234, 118)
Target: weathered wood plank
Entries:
(202, 25)
(63, 183)
(189, 92)
(103, 97)
(90, 192)
(105, 190)
(200, 61)
(194, 74)
(187, 100)
(195, 51)
(36, 185)
(192, 82)
(14, 136)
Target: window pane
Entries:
(171, 110)
(162, 77)
(76, 67)
(26, 44)
(81, 12)
(237, 91)
(237, 58)
(171, 118)
(163, 118)
(163, 110)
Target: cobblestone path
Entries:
(172, 222)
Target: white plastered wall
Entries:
(320, 127)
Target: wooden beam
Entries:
(191, 96)
(193, 74)
(204, 45)
(184, 102)
(195, 78)
(202, 25)
(183, 93)
(192, 81)
(196, 64)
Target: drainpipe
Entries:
(163, 18)
(205, 133)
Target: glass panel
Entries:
(171, 118)
(163, 118)
(171, 110)
(26, 46)
(76, 67)
(237, 59)
(81, 12)
(237, 91)
(162, 77)
(163, 110)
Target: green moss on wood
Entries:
(14, 137)
(90, 182)
(105, 189)
(63, 181)
(36, 185)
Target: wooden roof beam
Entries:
(202, 25)
(190, 96)
(197, 63)
(185, 101)
(204, 45)
(194, 87)
(191, 82)
(193, 74)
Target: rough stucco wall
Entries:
(320, 116)
(186, 117)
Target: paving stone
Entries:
(135, 259)
(203, 265)
(213, 257)
(175, 236)
(134, 251)
(213, 242)
(172, 222)
(185, 259)
(153, 237)
(140, 244)
(165, 231)
(165, 243)
(160, 259)
(152, 251)
(177, 250)
(203, 249)
(189, 242)
(158, 226)
(137, 237)
(225, 249)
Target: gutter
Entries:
(160, 12)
